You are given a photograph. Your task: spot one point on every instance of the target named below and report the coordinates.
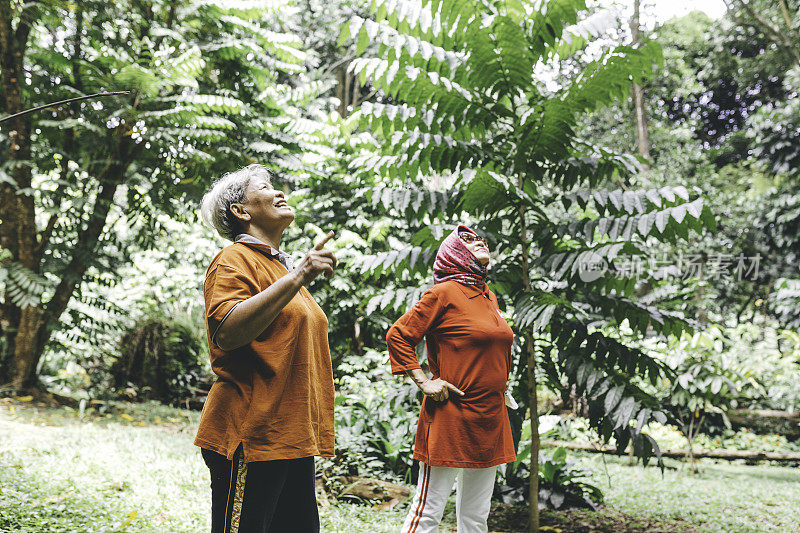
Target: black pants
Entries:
(262, 496)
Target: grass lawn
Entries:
(135, 470)
(721, 497)
(130, 471)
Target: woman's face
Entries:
(264, 207)
(476, 245)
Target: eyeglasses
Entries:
(470, 237)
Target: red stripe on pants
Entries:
(426, 475)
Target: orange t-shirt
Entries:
(274, 395)
(468, 345)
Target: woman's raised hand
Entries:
(317, 260)
(438, 389)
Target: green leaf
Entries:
(560, 455)
(624, 411)
(613, 397)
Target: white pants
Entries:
(473, 498)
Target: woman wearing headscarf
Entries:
(463, 432)
(270, 410)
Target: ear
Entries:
(239, 212)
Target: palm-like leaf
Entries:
(462, 102)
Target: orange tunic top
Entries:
(468, 345)
(275, 394)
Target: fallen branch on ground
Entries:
(767, 413)
(728, 455)
(767, 421)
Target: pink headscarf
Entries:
(454, 261)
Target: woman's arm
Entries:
(252, 316)
(402, 339)
(438, 389)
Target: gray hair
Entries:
(226, 191)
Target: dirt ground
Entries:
(514, 519)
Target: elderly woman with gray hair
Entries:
(270, 410)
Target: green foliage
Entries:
(715, 370)
(781, 217)
(704, 386)
(22, 286)
(376, 419)
(159, 358)
(460, 105)
(563, 485)
(786, 299)
(576, 429)
(775, 131)
(735, 378)
(714, 114)
(376, 432)
(705, 379)
(745, 439)
(209, 93)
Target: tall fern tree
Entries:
(460, 102)
(81, 183)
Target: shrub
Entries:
(563, 485)
(376, 421)
(159, 358)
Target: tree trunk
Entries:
(637, 94)
(535, 444)
(344, 89)
(34, 334)
(702, 313)
(26, 348)
(533, 482)
(27, 331)
(356, 88)
(690, 451)
(17, 211)
(341, 72)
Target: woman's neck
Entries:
(272, 238)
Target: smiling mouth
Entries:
(281, 203)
